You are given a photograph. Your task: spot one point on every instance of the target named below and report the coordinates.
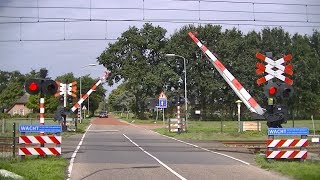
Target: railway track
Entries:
(256, 146)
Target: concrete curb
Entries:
(9, 174)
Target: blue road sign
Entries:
(287, 131)
(162, 103)
(30, 128)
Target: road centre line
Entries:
(160, 162)
(221, 154)
(75, 153)
(103, 130)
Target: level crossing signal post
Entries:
(178, 100)
(42, 86)
(66, 92)
(277, 92)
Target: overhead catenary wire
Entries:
(248, 21)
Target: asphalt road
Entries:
(111, 149)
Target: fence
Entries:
(8, 129)
(8, 142)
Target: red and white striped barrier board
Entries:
(241, 92)
(40, 139)
(269, 68)
(40, 151)
(84, 97)
(295, 154)
(287, 143)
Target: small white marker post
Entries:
(239, 107)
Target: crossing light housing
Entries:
(45, 86)
(32, 86)
(286, 91)
(49, 87)
(271, 89)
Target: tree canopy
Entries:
(12, 88)
(138, 58)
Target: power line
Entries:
(207, 1)
(181, 9)
(54, 40)
(179, 21)
(252, 2)
(250, 21)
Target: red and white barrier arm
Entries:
(241, 92)
(84, 97)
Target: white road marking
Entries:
(244, 162)
(75, 153)
(103, 130)
(160, 162)
(221, 154)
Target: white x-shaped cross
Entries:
(272, 65)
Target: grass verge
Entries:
(49, 167)
(213, 130)
(37, 167)
(295, 169)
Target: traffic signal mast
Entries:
(42, 86)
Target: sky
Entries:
(51, 41)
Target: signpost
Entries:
(162, 104)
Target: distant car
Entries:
(103, 115)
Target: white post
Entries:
(239, 107)
(80, 119)
(88, 106)
(80, 89)
(314, 130)
(185, 90)
(65, 96)
(163, 118)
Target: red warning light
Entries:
(272, 90)
(33, 86)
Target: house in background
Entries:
(19, 106)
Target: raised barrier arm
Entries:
(84, 97)
(241, 92)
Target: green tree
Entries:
(120, 99)
(136, 57)
(86, 83)
(306, 77)
(11, 93)
(50, 103)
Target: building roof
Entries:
(23, 99)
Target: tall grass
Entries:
(296, 169)
(37, 168)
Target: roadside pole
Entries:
(163, 118)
